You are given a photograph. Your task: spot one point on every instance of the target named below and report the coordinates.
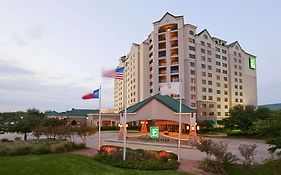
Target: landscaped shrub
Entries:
(5, 140)
(63, 147)
(22, 150)
(109, 128)
(42, 149)
(137, 159)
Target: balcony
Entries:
(174, 35)
(174, 44)
(175, 71)
(162, 71)
(162, 46)
(162, 54)
(162, 63)
(174, 52)
(167, 28)
(161, 37)
(174, 78)
(162, 79)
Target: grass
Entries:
(270, 168)
(64, 164)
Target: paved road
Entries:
(111, 138)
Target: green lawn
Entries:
(63, 164)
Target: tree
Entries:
(271, 129)
(248, 152)
(25, 122)
(240, 117)
(83, 131)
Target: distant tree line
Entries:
(36, 122)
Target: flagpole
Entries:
(180, 116)
(100, 118)
(125, 117)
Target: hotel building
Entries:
(213, 74)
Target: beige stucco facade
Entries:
(215, 75)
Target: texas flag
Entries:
(95, 94)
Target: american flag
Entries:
(117, 73)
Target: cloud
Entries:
(25, 89)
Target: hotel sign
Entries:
(252, 62)
(154, 132)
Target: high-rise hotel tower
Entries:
(215, 75)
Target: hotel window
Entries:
(236, 100)
(241, 100)
(236, 86)
(192, 56)
(192, 48)
(218, 85)
(225, 85)
(203, 81)
(193, 97)
(225, 78)
(218, 49)
(239, 54)
(204, 74)
(235, 66)
(204, 113)
(239, 61)
(193, 105)
(191, 40)
(226, 113)
(203, 105)
(204, 97)
(218, 106)
(211, 113)
(210, 90)
(223, 51)
(192, 80)
(218, 99)
(224, 58)
(219, 113)
(210, 82)
(211, 105)
(240, 74)
(202, 43)
(240, 87)
(225, 99)
(218, 56)
(225, 93)
(210, 98)
(226, 106)
(209, 52)
(235, 53)
(203, 66)
(209, 67)
(224, 65)
(192, 72)
(241, 93)
(235, 79)
(236, 93)
(218, 70)
(209, 45)
(192, 64)
(192, 88)
(240, 67)
(191, 32)
(224, 71)
(218, 77)
(218, 63)
(209, 60)
(210, 75)
(202, 50)
(203, 58)
(218, 92)
(204, 89)
(235, 73)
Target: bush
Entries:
(42, 149)
(109, 128)
(137, 159)
(5, 140)
(22, 150)
(17, 139)
(63, 147)
(248, 152)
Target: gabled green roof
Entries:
(51, 113)
(167, 101)
(79, 112)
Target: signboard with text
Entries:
(252, 62)
(154, 132)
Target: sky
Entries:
(53, 52)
